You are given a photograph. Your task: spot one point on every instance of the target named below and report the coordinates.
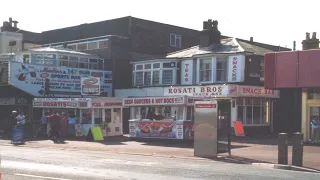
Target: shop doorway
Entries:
(314, 113)
(224, 126)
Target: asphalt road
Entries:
(60, 164)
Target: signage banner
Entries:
(64, 81)
(187, 72)
(257, 91)
(90, 86)
(153, 101)
(236, 66)
(198, 91)
(55, 104)
(159, 130)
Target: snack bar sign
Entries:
(153, 101)
(90, 86)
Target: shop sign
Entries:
(152, 101)
(21, 100)
(256, 91)
(64, 81)
(187, 72)
(90, 86)
(61, 99)
(159, 130)
(55, 104)
(236, 68)
(198, 91)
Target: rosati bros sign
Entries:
(90, 86)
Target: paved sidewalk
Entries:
(244, 150)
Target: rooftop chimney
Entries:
(312, 43)
(210, 33)
(7, 26)
(251, 39)
(294, 45)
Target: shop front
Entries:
(171, 116)
(87, 111)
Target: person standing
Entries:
(314, 129)
(55, 125)
(21, 118)
(71, 125)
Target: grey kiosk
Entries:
(206, 129)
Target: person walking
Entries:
(21, 118)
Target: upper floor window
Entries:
(89, 45)
(221, 66)
(154, 73)
(205, 70)
(213, 69)
(262, 69)
(175, 40)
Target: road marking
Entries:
(42, 177)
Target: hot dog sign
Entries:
(90, 86)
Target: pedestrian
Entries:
(43, 127)
(21, 120)
(71, 124)
(64, 124)
(314, 129)
(55, 125)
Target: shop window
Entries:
(116, 115)
(86, 116)
(73, 64)
(97, 116)
(314, 93)
(179, 113)
(205, 70)
(107, 115)
(73, 47)
(135, 113)
(92, 45)
(147, 78)
(190, 113)
(64, 63)
(253, 111)
(73, 58)
(156, 77)
(100, 64)
(83, 65)
(63, 57)
(138, 78)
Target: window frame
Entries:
(175, 37)
(200, 70)
(223, 59)
(263, 108)
(159, 68)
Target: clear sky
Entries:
(277, 22)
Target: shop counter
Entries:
(161, 129)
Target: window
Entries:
(167, 77)
(252, 111)
(72, 46)
(64, 63)
(26, 58)
(73, 64)
(205, 70)
(103, 44)
(175, 40)
(154, 73)
(92, 45)
(262, 68)
(82, 47)
(221, 68)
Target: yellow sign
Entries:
(97, 133)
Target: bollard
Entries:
(297, 149)
(283, 148)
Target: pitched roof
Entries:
(31, 37)
(227, 46)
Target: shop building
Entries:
(228, 69)
(296, 75)
(29, 74)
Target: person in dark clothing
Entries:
(55, 125)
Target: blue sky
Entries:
(277, 22)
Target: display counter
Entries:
(160, 117)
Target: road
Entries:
(27, 163)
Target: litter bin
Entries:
(17, 135)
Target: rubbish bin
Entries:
(17, 135)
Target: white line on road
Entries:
(42, 177)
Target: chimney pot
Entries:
(205, 25)
(314, 35)
(209, 23)
(307, 36)
(251, 39)
(294, 45)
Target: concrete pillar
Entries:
(304, 115)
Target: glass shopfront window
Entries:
(252, 111)
(97, 116)
(314, 93)
(158, 112)
(86, 116)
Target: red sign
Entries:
(234, 68)
(153, 101)
(206, 105)
(238, 128)
(257, 91)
